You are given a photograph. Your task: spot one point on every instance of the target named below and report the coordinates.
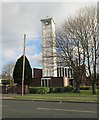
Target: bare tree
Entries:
(92, 44)
(71, 45)
(78, 42)
(7, 71)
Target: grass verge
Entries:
(83, 96)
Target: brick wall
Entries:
(57, 82)
(36, 82)
(37, 73)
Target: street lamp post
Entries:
(23, 64)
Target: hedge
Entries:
(39, 90)
(85, 87)
(56, 89)
(44, 90)
(61, 89)
(69, 89)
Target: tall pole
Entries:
(23, 64)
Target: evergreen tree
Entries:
(17, 73)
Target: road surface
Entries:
(41, 109)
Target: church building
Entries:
(51, 74)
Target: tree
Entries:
(69, 43)
(78, 44)
(92, 44)
(17, 73)
(7, 71)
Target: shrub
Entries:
(61, 89)
(38, 90)
(69, 89)
(52, 90)
(56, 89)
(85, 88)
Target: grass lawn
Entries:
(83, 96)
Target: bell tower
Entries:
(49, 47)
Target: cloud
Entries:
(31, 49)
(8, 55)
(25, 17)
(19, 18)
(35, 60)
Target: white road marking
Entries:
(67, 110)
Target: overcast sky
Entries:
(24, 17)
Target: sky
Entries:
(19, 18)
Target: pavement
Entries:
(8, 96)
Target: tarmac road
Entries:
(41, 109)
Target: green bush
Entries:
(52, 90)
(44, 90)
(69, 89)
(57, 89)
(61, 89)
(38, 90)
(85, 87)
